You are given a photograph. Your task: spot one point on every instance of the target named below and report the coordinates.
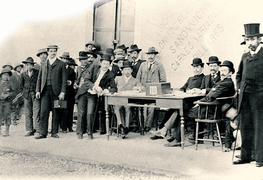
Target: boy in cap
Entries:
(6, 93)
(28, 89)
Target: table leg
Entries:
(182, 132)
(107, 118)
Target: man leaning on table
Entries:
(126, 83)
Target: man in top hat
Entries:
(126, 83)
(28, 89)
(51, 86)
(134, 54)
(67, 116)
(86, 101)
(249, 80)
(100, 81)
(151, 71)
(224, 88)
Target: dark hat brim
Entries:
(138, 50)
(127, 67)
(8, 65)
(38, 54)
(65, 57)
(28, 62)
(252, 35)
(10, 73)
(152, 52)
(18, 66)
(217, 62)
(200, 64)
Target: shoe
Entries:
(126, 130)
(174, 143)
(54, 135)
(239, 161)
(5, 135)
(170, 139)
(102, 132)
(30, 133)
(63, 131)
(70, 130)
(40, 136)
(34, 131)
(147, 129)
(259, 164)
(156, 137)
(160, 132)
(90, 136)
(121, 129)
(80, 136)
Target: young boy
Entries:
(6, 92)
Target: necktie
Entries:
(150, 66)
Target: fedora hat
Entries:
(126, 64)
(109, 51)
(252, 30)
(72, 62)
(197, 62)
(122, 46)
(40, 51)
(228, 64)
(213, 59)
(29, 60)
(134, 47)
(92, 53)
(8, 64)
(17, 65)
(152, 50)
(98, 50)
(91, 43)
(5, 70)
(65, 55)
(83, 55)
(106, 57)
(52, 47)
(119, 58)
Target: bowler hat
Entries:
(8, 64)
(92, 53)
(98, 50)
(65, 55)
(126, 64)
(29, 60)
(134, 47)
(72, 62)
(91, 43)
(122, 46)
(5, 70)
(52, 47)
(152, 50)
(119, 58)
(106, 57)
(109, 51)
(229, 64)
(40, 51)
(213, 59)
(82, 55)
(17, 65)
(197, 62)
(252, 30)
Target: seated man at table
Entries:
(224, 88)
(191, 86)
(126, 83)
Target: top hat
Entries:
(134, 47)
(228, 64)
(92, 53)
(152, 50)
(126, 64)
(82, 55)
(65, 55)
(106, 57)
(252, 30)
(72, 62)
(122, 46)
(52, 47)
(8, 64)
(17, 65)
(29, 60)
(119, 58)
(40, 51)
(91, 43)
(5, 70)
(109, 51)
(213, 59)
(197, 62)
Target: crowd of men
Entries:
(56, 82)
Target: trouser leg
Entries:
(82, 114)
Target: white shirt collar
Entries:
(51, 61)
(255, 52)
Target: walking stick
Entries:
(96, 110)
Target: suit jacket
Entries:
(71, 75)
(207, 83)
(193, 82)
(157, 73)
(224, 88)
(136, 67)
(249, 76)
(28, 84)
(107, 81)
(58, 77)
(132, 82)
(7, 87)
(116, 70)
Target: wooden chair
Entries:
(211, 118)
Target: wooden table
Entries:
(171, 101)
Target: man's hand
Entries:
(98, 89)
(38, 95)
(61, 96)
(105, 91)
(75, 86)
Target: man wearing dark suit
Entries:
(100, 81)
(211, 79)
(28, 89)
(136, 62)
(67, 117)
(250, 85)
(86, 101)
(51, 86)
